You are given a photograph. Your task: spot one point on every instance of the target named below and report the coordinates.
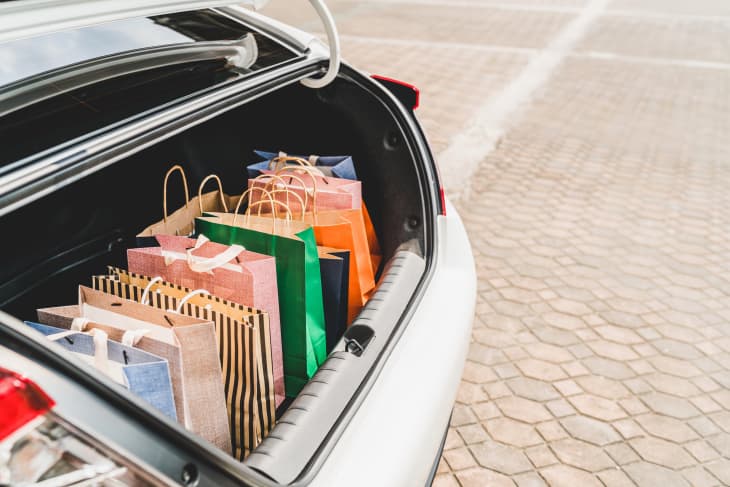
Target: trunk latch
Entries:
(357, 338)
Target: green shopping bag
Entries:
(293, 245)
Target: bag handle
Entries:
(271, 186)
(207, 264)
(173, 169)
(201, 292)
(312, 174)
(244, 196)
(220, 192)
(190, 295)
(281, 161)
(145, 294)
(101, 348)
(281, 203)
(130, 338)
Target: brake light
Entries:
(38, 447)
(21, 401)
(408, 94)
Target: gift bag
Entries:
(188, 344)
(243, 343)
(334, 266)
(343, 229)
(229, 272)
(143, 374)
(332, 193)
(181, 221)
(294, 165)
(298, 278)
(335, 166)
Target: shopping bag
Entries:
(335, 166)
(342, 229)
(229, 272)
(312, 184)
(244, 346)
(299, 280)
(188, 344)
(138, 287)
(376, 255)
(332, 193)
(334, 266)
(181, 221)
(143, 374)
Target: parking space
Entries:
(592, 138)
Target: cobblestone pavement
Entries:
(601, 229)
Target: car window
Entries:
(56, 87)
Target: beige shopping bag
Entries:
(181, 221)
(187, 343)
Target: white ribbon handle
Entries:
(145, 294)
(131, 338)
(78, 324)
(189, 295)
(207, 264)
(101, 349)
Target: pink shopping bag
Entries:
(332, 193)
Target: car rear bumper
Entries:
(397, 431)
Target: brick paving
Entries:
(601, 232)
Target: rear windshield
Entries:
(45, 99)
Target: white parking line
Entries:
(531, 51)
(681, 63)
(486, 5)
(461, 158)
(439, 44)
(639, 14)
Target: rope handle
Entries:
(270, 186)
(220, 192)
(312, 174)
(173, 169)
(244, 196)
(259, 203)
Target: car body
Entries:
(384, 417)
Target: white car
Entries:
(97, 99)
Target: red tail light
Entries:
(408, 94)
(21, 401)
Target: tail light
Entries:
(406, 93)
(21, 402)
(38, 447)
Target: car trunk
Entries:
(58, 241)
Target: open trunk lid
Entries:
(26, 18)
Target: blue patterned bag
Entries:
(144, 374)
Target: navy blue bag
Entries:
(334, 267)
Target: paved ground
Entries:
(599, 211)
